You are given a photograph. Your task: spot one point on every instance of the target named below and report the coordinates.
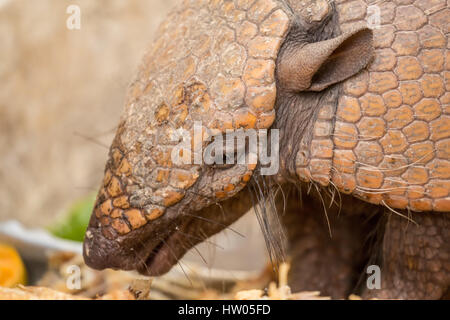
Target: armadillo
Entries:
(358, 94)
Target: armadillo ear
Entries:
(318, 65)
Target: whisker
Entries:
(200, 254)
(298, 186)
(325, 210)
(340, 197)
(284, 197)
(178, 261)
(140, 258)
(93, 140)
(368, 167)
(268, 219)
(398, 213)
(104, 133)
(212, 200)
(309, 187)
(193, 246)
(216, 222)
(262, 223)
(201, 239)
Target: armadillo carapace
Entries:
(358, 92)
(387, 142)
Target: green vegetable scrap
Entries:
(74, 223)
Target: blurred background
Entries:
(61, 95)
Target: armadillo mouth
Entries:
(157, 246)
(159, 260)
(165, 254)
(154, 256)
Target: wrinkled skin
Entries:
(351, 140)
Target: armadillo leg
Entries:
(320, 262)
(415, 258)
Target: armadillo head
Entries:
(164, 190)
(171, 179)
(155, 202)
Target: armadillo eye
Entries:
(220, 153)
(225, 152)
(228, 160)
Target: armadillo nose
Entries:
(91, 256)
(100, 252)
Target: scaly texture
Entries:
(415, 258)
(212, 61)
(370, 136)
(320, 262)
(390, 141)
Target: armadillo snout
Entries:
(100, 252)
